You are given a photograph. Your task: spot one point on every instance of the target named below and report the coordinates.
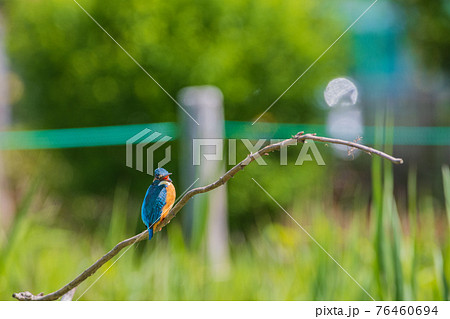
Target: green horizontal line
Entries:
(79, 137)
(118, 135)
(403, 135)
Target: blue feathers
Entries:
(150, 233)
(155, 200)
(153, 204)
(161, 172)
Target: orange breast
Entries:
(170, 200)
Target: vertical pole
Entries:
(205, 217)
(6, 203)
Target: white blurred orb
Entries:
(341, 91)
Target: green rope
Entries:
(79, 137)
(403, 135)
(118, 135)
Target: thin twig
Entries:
(299, 137)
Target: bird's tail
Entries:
(150, 233)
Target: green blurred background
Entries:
(61, 209)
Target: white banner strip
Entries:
(234, 309)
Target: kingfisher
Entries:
(158, 200)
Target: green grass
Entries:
(394, 257)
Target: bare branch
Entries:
(299, 137)
(27, 296)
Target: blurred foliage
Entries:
(74, 75)
(428, 25)
(273, 261)
(69, 73)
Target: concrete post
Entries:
(6, 203)
(202, 157)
